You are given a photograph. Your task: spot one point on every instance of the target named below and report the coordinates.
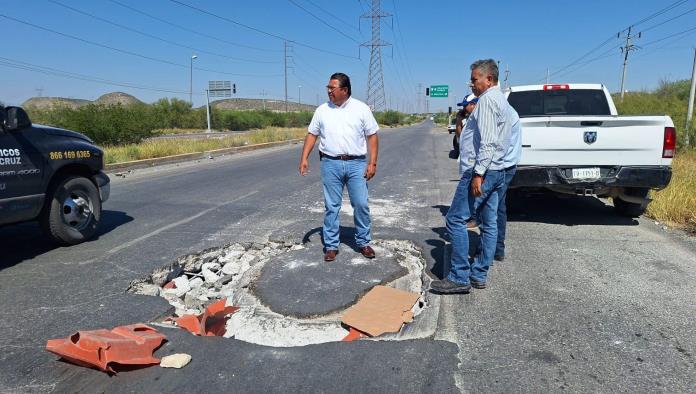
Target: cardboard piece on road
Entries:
(109, 351)
(382, 309)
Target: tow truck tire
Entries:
(629, 209)
(72, 211)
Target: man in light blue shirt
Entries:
(510, 160)
(483, 178)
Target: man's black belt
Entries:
(340, 157)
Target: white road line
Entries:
(165, 228)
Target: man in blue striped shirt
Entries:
(483, 178)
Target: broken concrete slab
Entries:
(300, 284)
(178, 360)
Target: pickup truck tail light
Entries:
(557, 87)
(670, 143)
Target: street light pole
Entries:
(191, 80)
(299, 94)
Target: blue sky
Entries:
(433, 42)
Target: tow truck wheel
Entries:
(72, 212)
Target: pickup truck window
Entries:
(559, 102)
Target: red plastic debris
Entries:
(354, 335)
(169, 285)
(209, 323)
(106, 350)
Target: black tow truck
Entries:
(52, 175)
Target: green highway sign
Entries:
(439, 91)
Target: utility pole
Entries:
(690, 111)
(548, 76)
(191, 80)
(626, 49)
(419, 92)
(507, 74)
(285, 61)
(263, 94)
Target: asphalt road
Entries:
(585, 300)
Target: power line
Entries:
(259, 30)
(324, 22)
(333, 16)
(658, 13)
(191, 30)
(156, 37)
(403, 43)
(67, 74)
(669, 36)
(593, 50)
(154, 59)
(669, 20)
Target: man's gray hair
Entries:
(486, 67)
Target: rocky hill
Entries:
(115, 98)
(48, 103)
(245, 104)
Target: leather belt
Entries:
(341, 157)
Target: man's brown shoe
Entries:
(367, 252)
(330, 255)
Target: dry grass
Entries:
(676, 204)
(161, 148)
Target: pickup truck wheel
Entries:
(629, 209)
(73, 211)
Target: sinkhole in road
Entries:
(287, 295)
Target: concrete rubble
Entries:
(178, 360)
(229, 272)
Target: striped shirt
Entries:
(514, 152)
(491, 123)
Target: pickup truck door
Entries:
(593, 140)
(21, 176)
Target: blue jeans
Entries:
(502, 212)
(493, 186)
(457, 216)
(335, 175)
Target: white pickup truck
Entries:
(573, 141)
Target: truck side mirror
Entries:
(16, 118)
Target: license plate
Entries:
(586, 173)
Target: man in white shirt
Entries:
(347, 132)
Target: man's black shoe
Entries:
(446, 286)
(477, 285)
(499, 257)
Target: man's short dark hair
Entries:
(343, 80)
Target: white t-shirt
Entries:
(342, 130)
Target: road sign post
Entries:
(220, 89)
(439, 91)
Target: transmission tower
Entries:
(375, 83)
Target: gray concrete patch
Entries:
(301, 284)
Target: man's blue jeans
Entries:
(502, 212)
(336, 174)
(457, 216)
(493, 185)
